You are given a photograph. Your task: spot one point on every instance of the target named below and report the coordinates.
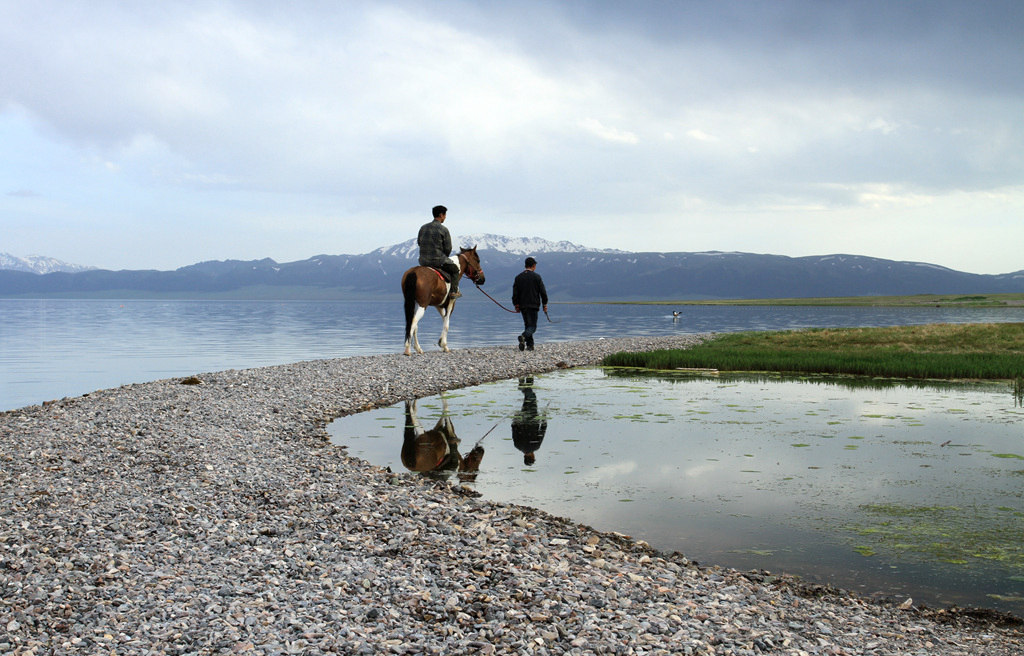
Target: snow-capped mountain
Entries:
(488, 242)
(39, 264)
(571, 272)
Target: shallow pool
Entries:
(883, 487)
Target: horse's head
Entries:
(471, 265)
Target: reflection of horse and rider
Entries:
(528, 426)
(436, 452)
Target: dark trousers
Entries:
(529, 323)
(452, 270)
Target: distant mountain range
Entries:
(571, 272)
(38, 264)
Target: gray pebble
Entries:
(216, 517)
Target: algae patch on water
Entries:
(950, 534)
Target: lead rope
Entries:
(495, 300)
(487, 433)
(508, 310)
(505, 308)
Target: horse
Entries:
(436, 452)
(422, 450)
(424, 287)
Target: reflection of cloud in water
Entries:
(667, 470)
(703, 469)
(611, 472)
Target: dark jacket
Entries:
(528, 427)
(435, 244)
(528, 290)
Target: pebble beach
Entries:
(211, 515)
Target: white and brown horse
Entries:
(436, 452)
(424, 287)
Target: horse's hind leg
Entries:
(416, 327)
(445, 422)
(413, 336)
(446, 315)
(412, 421)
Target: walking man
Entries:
(435, 244)
(529, 296)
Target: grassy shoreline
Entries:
(991, 351)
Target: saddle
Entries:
(444, 275)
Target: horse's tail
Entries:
(409, 292)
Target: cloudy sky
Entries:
(158, 134)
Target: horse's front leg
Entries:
(446, 315)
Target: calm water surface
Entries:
(899, 489)
(55, 348)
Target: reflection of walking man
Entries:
(529, 295)
(528, 427)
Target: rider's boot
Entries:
(455, 293)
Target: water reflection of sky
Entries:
(808, 477)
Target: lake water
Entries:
(898, 489)
(50, 349)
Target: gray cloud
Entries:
(545, 111)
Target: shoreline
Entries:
(217, 518)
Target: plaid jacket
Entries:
(435, 244)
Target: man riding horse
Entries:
(435, 244)
(423, 286)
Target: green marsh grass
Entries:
(914, 300)
(992, 351)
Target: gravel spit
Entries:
(211, 515)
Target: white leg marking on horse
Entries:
(443, 342)
(414, 336)
(411, 408)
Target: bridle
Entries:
(470, 272)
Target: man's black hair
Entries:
(530, 262)
(439, 210)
